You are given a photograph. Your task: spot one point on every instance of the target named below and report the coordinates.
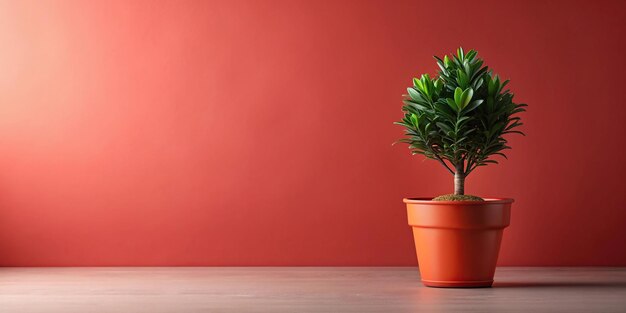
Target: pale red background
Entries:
(259, 132)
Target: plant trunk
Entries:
(459, 180)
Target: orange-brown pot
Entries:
(458, 242)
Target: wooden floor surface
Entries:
(303, 289)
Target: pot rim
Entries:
(429, 201)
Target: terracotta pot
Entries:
(458, 242)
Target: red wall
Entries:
(259, 132)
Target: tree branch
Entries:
(444, 163)
(468, 168)
(463, 168)
(471, 168)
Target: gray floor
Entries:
(303, 289)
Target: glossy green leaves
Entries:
(462, 97)
(459, 117)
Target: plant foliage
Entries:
(460, 116)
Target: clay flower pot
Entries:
(458, 242)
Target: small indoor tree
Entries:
(460, 117)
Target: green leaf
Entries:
(402, 124)
(462, 78)
(467, 69)
(466, 97)
(491, 87)
(478, 84)
(458, 93)
(513, 125)
(502, 154)
(417, 106)
(414, 94)
(513, 132)
(445, 127)
(461, 120)
(471, 54)
(418, 84)
(414, 120)
(452, 104)
(438, 85)
(506, 82)
(474, 104)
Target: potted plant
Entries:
(459, 118)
